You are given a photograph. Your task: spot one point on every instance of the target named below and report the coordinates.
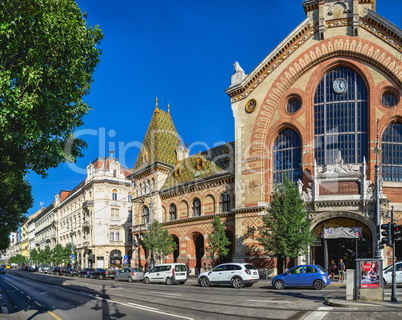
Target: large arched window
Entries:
(392, 153)
(196, 207)
(173, 212)
(145, 215)
(224, 202)
(340, 117)
(287, 156)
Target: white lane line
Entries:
(273, 301)
(319, 314)
(167, 293)
(144, 308)
(139, 305)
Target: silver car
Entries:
(129, 274)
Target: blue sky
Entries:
(182, 52)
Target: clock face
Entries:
(340, 85)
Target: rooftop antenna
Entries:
(111, 153)
(169, 108)
(156, 102)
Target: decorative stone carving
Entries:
(238, 75)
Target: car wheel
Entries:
(130, 279)
(237, 283)
(100, 277)
(318, 285)
(279, 285)
(116, 278)
(147, 281)
(204, 282)
(169, 281)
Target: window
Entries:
(392, 153)
(340, 118)
(130, 197)
(173, 212)
(115, 214)
(196, 207)
(130, 237)
(224, 202)
(389, 98)
(114, 236)
(287, 156)
(145, 215)
(293, 104)
(114, 194)
(130, 216)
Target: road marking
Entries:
(275, 301)
(54, 315)
(167, 294)
(319, 314)
(139, 305)
(145, 308)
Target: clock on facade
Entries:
(340, 85)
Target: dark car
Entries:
(70, 272)
(302, 276)
(57, 270)
(101, 274)
(86, 272)
(2, 270)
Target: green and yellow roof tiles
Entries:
(191, 169)
(160, 141)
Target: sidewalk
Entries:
(343, 303)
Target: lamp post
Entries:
(377, 151)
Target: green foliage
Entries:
(158, 241)
(47, 57)
(218, 242)
(19, 259)
(34, 256)
(286, 230)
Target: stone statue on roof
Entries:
(238, 75)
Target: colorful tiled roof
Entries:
(160, 141)
(223, 156)
(190, 169)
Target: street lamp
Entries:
(377, 151)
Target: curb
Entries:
(353, 304)
(3, 305)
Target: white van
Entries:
(168, 273)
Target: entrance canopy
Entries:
(342, 232)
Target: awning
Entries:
(342, 232)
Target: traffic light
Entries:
(396, 232)
(387, 233)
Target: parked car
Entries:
(168, 273)
(234, 274)
(71, 272)
(86, 272)
(387, 273)
(44, 268)
(302, 276)
(57, 270)
(2, 270)
(129, 274)
(100, 273)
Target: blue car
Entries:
(302, 276)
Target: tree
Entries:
(218, 242)
(34, 256)
(47, 57)
(286, 230)
(158, 241)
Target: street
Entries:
(40, 296)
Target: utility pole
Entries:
(72, 244)
(393, 293)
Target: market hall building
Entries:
(323, 107)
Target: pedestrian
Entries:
(205, 266)
(341, 270)
(332, 269)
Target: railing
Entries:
(87, 224)
(140, 227)
(87, 203)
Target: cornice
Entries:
(199, 218)
(249, 209)
(196, 185)
(150, 169)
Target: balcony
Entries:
(140, 227)
(85, 244)
(87, 224)
(87, 204)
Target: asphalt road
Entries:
(38, 296)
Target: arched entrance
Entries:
(348, 249)
(198, 239)
(176, 251)
(115, 258)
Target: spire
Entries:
(156, 102)
(169, 108)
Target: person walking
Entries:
(332, 269)
(341, 270)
